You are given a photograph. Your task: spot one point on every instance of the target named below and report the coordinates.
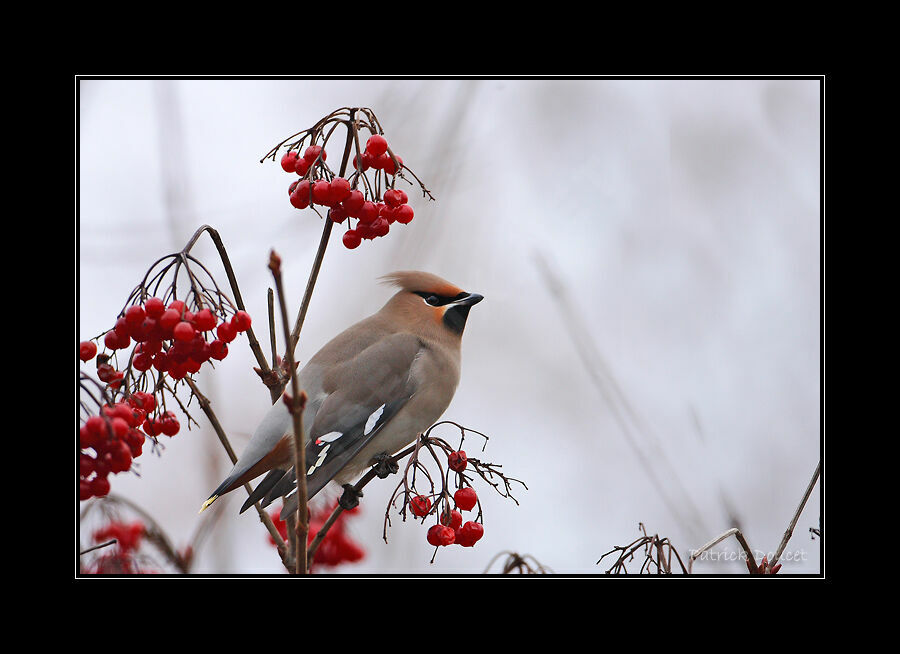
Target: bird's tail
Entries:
(264, 487)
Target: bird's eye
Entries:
(433, 300)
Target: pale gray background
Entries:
(679, 388)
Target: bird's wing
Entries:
(363, 394)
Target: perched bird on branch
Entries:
(370, 391)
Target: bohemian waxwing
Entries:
(371, 390)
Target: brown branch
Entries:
(291, 343)
(296, 403)
(232, 280)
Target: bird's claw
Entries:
(385, 466)
(350, 497)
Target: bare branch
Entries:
(790, 530)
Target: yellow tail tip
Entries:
(207, 503)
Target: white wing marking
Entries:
(329, 437)
(370, 423)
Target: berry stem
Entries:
(323, 244)
(296, 406)
(232, 280)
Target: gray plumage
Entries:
(371, 390)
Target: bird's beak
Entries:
(470, 300)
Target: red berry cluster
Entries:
(171, 339)
(374, 216)
(174, 341)
(337, 547)
(450, 528)
(121, 559)
(110, 442)
(128, 536)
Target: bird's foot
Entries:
(384, 466)
(350, 498)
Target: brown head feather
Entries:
(416, 281)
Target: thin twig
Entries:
(296, 404)
(790, 529)
(97, 547)
(320, 253)
(232, 280)
(734, 531)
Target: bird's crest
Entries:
(417, 281)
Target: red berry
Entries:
(177, 369)
(321, 192)
(338, 214)
(119, 457)
(388, 214)
(366, 164)
(169, 424)
(312, 153)
(99, 486)
(114, 341)
(368, 212)
(134, 316)
(392, 198)
(389, 167)
(452, 519)
(154, 307)
(169, 319)
(204, 320)
(97, 427)
(420, 505)
(119, 427)
(404, 214)
(440, 535)
(465, 498)
(105, 372)
(380, 227)
(300, 196)
(183, 331)
(85, 465)
(288, 161)
(142, 362)
(376, 145)
(226, 332)
(84, 490)
(354, 202)
(122, 328)
(87, 350)
(351, 239)
(146, 401)
(302, 167)
(402, 196)
(364, 231)
(340, 190)
(161, 361)
(457, 461)
(152, 427)
(469, 534)
(218, 350)
(241, 321)
(177, 305)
